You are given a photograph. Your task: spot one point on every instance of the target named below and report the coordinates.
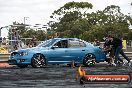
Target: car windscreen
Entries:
(47, 43)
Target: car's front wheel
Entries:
(38, 60)
(89, 60)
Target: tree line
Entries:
(75, 20)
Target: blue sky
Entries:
(39, 11)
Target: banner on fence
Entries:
(124, 44)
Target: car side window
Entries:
(62, 44)
(76, 43)
(82, 44)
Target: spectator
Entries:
(109, 50)
(56, 35)
(15, 47)
(14, 39)
(117, 45)
(0, 40)
(4, 41)
(96, 42)
(32, 42)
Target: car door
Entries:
(58, 53)
(77, 50)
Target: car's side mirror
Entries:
(53, 47)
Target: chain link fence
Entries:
(7, 46)
(11, 45)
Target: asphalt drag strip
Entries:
(57, 77)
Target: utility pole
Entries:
(25, 18)
(0, 31)
(45, 26)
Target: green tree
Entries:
(71, 21)
(74, 20)
(27, 32)
(117, 22)
(109, 21)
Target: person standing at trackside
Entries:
(14, 39)
(109, 50)
(33, 41)
(96, 42)
(117, 45)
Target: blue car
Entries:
(58, 51)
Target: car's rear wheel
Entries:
(38, 60)
(89, 60)
(22, 66)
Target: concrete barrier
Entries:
(4, 57)
(3, 60)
